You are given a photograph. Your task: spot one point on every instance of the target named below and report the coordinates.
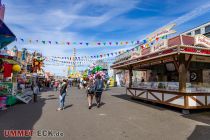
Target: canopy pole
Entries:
(182, 73)
(130, 76)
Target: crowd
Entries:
(94, 88)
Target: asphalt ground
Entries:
(119, 118)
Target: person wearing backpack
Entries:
(99, 85)
(62, 95)
(90, 93)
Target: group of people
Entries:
(94, 88)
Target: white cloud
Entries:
(192, 14)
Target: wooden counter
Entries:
(184, 100)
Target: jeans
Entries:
(62, 100)
(35, 97)
(98, 97)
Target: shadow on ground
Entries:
(200, 116)
(201, 132)
(68, 106)
(196, 115)
(147, 103)
(21, 117)
(101, 104)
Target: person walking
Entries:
(56, 84)
(62, 95)
(99, 85)
(90, 93)
(35, 91)
(39, 85)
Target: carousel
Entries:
(177, 73)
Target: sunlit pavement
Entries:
(118, 118)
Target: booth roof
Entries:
(6, 35)
(10, 61)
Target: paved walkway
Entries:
(120, 118)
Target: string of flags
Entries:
(74, 62)
(84, 43)
(98, 56)
(53, 64)
(105, 55)
(94, 57)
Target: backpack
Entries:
(63, 89)
(99, 85)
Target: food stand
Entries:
(181, 73)
(8, 84)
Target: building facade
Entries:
(202, 29)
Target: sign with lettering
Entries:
(24, 98)
(135, 55)
(202, 41)
(197, 58)
(145, 51)
(162, 44)
(166, 30)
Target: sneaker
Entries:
(89, 107)
(98, 105)
(59, 109)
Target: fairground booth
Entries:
(177, 72)
(9, 68)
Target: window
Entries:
(197, 31)
(189, 33)
(207, 29)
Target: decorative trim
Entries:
(155, 96)
(196, 100)
(174, 98)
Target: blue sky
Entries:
(97, 20)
